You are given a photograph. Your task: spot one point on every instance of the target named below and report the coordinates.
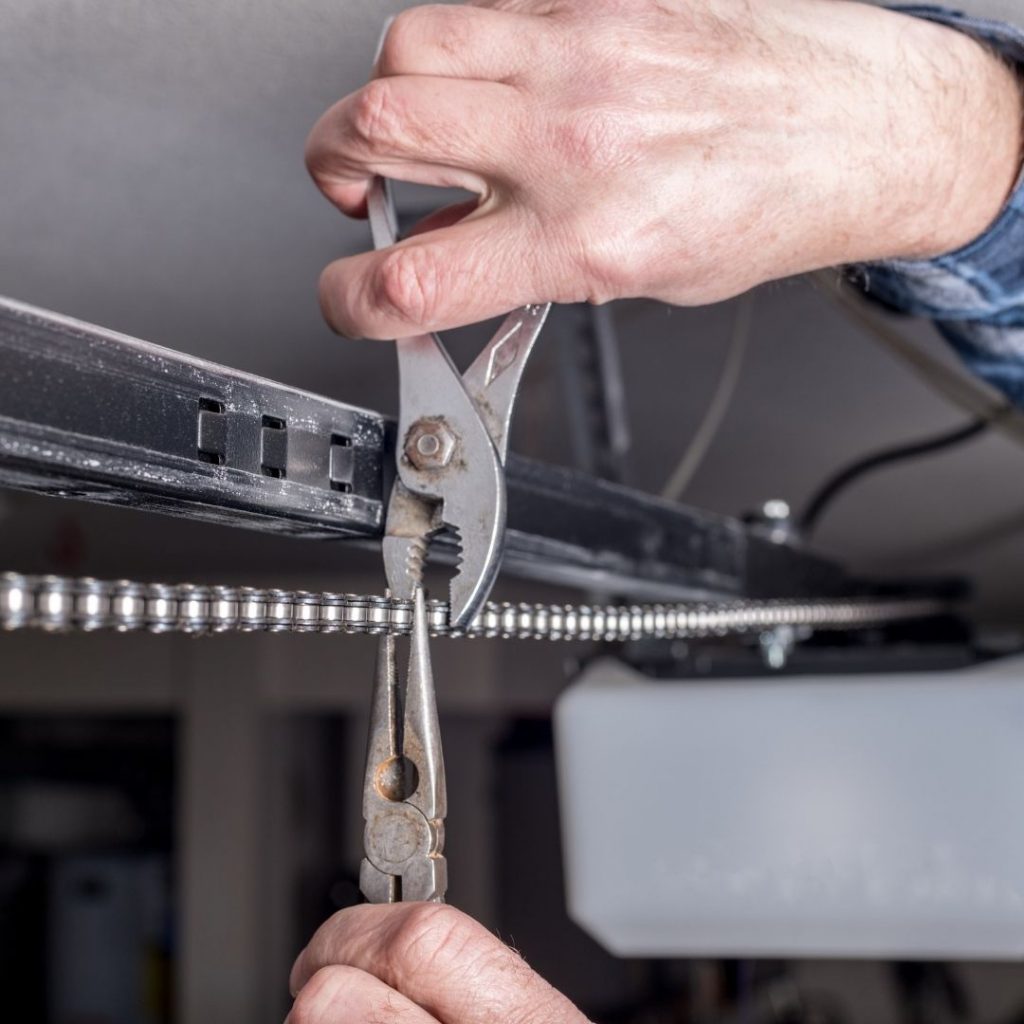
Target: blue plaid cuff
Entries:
(976, 294)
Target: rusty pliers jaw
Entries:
(449, 474)
(404, 795)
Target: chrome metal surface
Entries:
(50, 603)
(493, 378)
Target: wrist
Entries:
(951, 134)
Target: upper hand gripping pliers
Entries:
(451, 449)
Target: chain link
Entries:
(63, 604)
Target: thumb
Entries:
(465, 272)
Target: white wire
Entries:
(967, 393)
(701, 442)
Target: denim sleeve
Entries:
(976, 294)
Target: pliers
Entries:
(404, 794)
(451, 450)
(452, 445)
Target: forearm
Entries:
(966, 108)
(975, 290)
(915, 150)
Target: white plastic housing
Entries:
(857, 816)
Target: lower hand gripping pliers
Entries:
(451, 449)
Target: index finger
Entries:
(461, 274)
(459, 41)
(442, 960)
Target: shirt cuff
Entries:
(984, 280)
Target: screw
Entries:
(430, 444)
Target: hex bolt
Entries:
(430, 444)
(777, 516)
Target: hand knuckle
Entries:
(317, 152)
(326, 290)
(609, 45)
(315, 996)
(404, 38)
(376, 116)
(302, 1011)
(440, 26)
(454, 28)
(408, 284)
(424, 934)
(600, 255)
(315, 163)
(335, 301)
(593, 140)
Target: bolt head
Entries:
(430, 444)
(776, 510)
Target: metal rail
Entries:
(88, 413)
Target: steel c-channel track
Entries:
(91, 414)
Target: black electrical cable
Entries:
(838, 482)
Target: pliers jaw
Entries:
(411, 522)
(479, 533)
(448, 464)
(404, 794)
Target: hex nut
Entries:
(430, 444)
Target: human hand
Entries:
(684, 150)
(420, 963)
